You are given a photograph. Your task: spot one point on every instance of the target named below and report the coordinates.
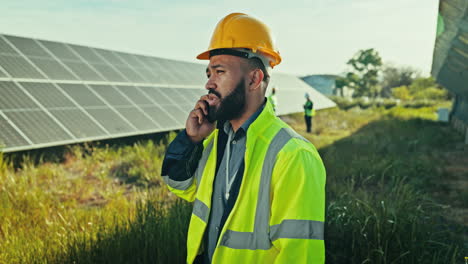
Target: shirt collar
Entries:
(227, 125)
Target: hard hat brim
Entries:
(204, 56)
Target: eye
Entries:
(219, 71)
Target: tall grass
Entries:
(45, 205)
(383, 172)
(155, 234)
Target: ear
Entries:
(256, 77)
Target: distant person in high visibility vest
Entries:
(309, 112)
(273, 99)
(257, 187)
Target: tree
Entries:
(393, 76)
(363, 79)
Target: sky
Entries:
(313, 36)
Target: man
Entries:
(309, 112)
(273, 99)
(258, 187)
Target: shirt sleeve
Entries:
(181, 159)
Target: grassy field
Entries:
(396, 192)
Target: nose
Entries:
(210, 84)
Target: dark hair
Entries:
(256, 63)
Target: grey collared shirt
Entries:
(220, 206)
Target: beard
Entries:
(231, 106)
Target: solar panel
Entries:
(6, 48)
(78, 123)
(111, 120)
(28, 46)
(59, 50)
(13, 98)
(18, 67)
(47, 94)
(82, 95)
(55, 93)
(111, 95)
(291, 94)
(138, 118)
(10, 137)
(38, 126)
(162, 116)
(83, 71)
(135, 95)
(53, 69)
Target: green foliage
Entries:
(363, 79)
(432, 93)
(401, 93)
(421, 84)
(420, 104)
(386, 103)
(344, 103)
(366, 60)
(364, 103)
(421, 89)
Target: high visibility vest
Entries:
(309, 109)
(280, 211)
(273, 101)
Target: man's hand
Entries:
(197, 126)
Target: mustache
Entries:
(211, 91)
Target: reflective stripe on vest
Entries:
(203, 161)
(305, 229)
(201, 210)
(184, 185)
(179, 185)
(261, 238)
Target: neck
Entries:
(250, 109)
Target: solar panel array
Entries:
(55, 93)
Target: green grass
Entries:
(386, 199)
(45, 205)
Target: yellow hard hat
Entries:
(238, 30)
